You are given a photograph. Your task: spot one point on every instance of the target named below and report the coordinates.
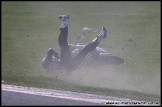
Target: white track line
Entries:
(106, 100)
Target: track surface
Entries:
(16, 98)
(18, 95)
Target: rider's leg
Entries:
(65, 53)
(90, 47)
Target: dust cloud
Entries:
(108, 77)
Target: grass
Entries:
(30, 28)
(57, 84)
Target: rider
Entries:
(66, 60)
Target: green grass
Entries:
(30, 28)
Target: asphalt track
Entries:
(18, 95)
(15, 98)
